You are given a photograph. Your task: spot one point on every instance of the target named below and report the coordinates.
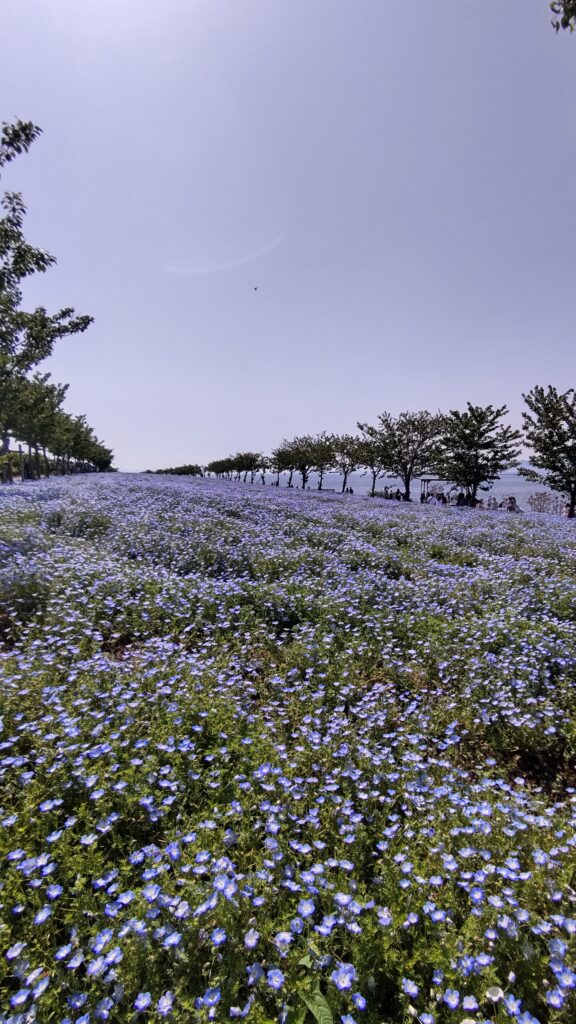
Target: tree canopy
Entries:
(550, 429)
(407, 443)
(475, 447)
(30, 406)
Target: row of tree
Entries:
(467, 449)
(30, 403)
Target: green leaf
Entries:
(317, 1005)
(297, 1014)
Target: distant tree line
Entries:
(468, 449)
(180, 471)
(30, 403)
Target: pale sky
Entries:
(397, 181)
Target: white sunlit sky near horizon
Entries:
(287, 216)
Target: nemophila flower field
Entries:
(274, 756)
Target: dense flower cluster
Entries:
(279, 756)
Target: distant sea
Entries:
(510, 483)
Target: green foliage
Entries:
(346, 455)
(298, 455)
(30, 408)
(550, 428)
(371, 453)
(187, 470)
(313, 999)
(322, 455)
(564, 14)
(407, 443)
(26, 338)
(475, 447)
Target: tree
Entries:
(300, 455)
(475, 447)
(564, 14)
(404, 446)
(409, 443)
(346, 455)
(371, 454)
(32, 416)
(281, 462)
(322, 450)
(26, 338)
(192, 469)
(550, 430)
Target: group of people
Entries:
(462, 500)
(394, 495)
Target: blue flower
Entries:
(19, 998)
(251, 938)
(43, 915)
(452, 998)
(306, 908)
(555, 998)
(142, 1001)
(165, 1003)
(211, 997)
(40, 988)
(344, 976)
(469, 1003)
(102, 1011)
(255, 973)
(283, 940)
(275, 978)
(15, 950)
(218, 936)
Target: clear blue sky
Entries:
(397, 180)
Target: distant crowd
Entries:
(462, 500)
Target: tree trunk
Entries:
(344, 482)
(572, 504)
(374, 478)
(289, 484)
